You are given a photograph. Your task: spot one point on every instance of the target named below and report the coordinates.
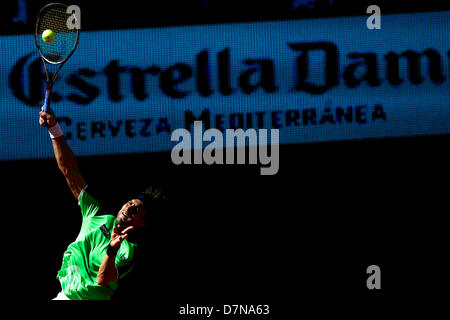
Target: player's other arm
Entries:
(65, 158)
(107, 271)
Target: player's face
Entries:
(131, 214)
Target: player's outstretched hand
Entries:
(118, 237)
(48, 118)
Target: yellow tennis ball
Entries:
(48, 36)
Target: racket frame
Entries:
(51, 80)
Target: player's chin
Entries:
(120, 221)
(123, 223)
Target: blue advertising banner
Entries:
(126, 91)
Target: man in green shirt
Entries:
(91, 264)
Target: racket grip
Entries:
(48, 93)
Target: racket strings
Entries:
(55, 18)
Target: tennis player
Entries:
(101, 254)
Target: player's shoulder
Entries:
(85, 195)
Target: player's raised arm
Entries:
(65, 158)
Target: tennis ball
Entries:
(48, 36)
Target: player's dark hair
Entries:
(153, 197)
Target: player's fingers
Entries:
(127, 230)
(44, 115)
(114, 229)
(42, 120)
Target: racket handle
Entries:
(48, 93)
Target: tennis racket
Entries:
(55, 17)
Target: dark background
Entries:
(229, 234)
(102, 14)
(301, 238)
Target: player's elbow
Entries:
(66, 171)
(105, 279)
(101, 281)
(69, 171)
